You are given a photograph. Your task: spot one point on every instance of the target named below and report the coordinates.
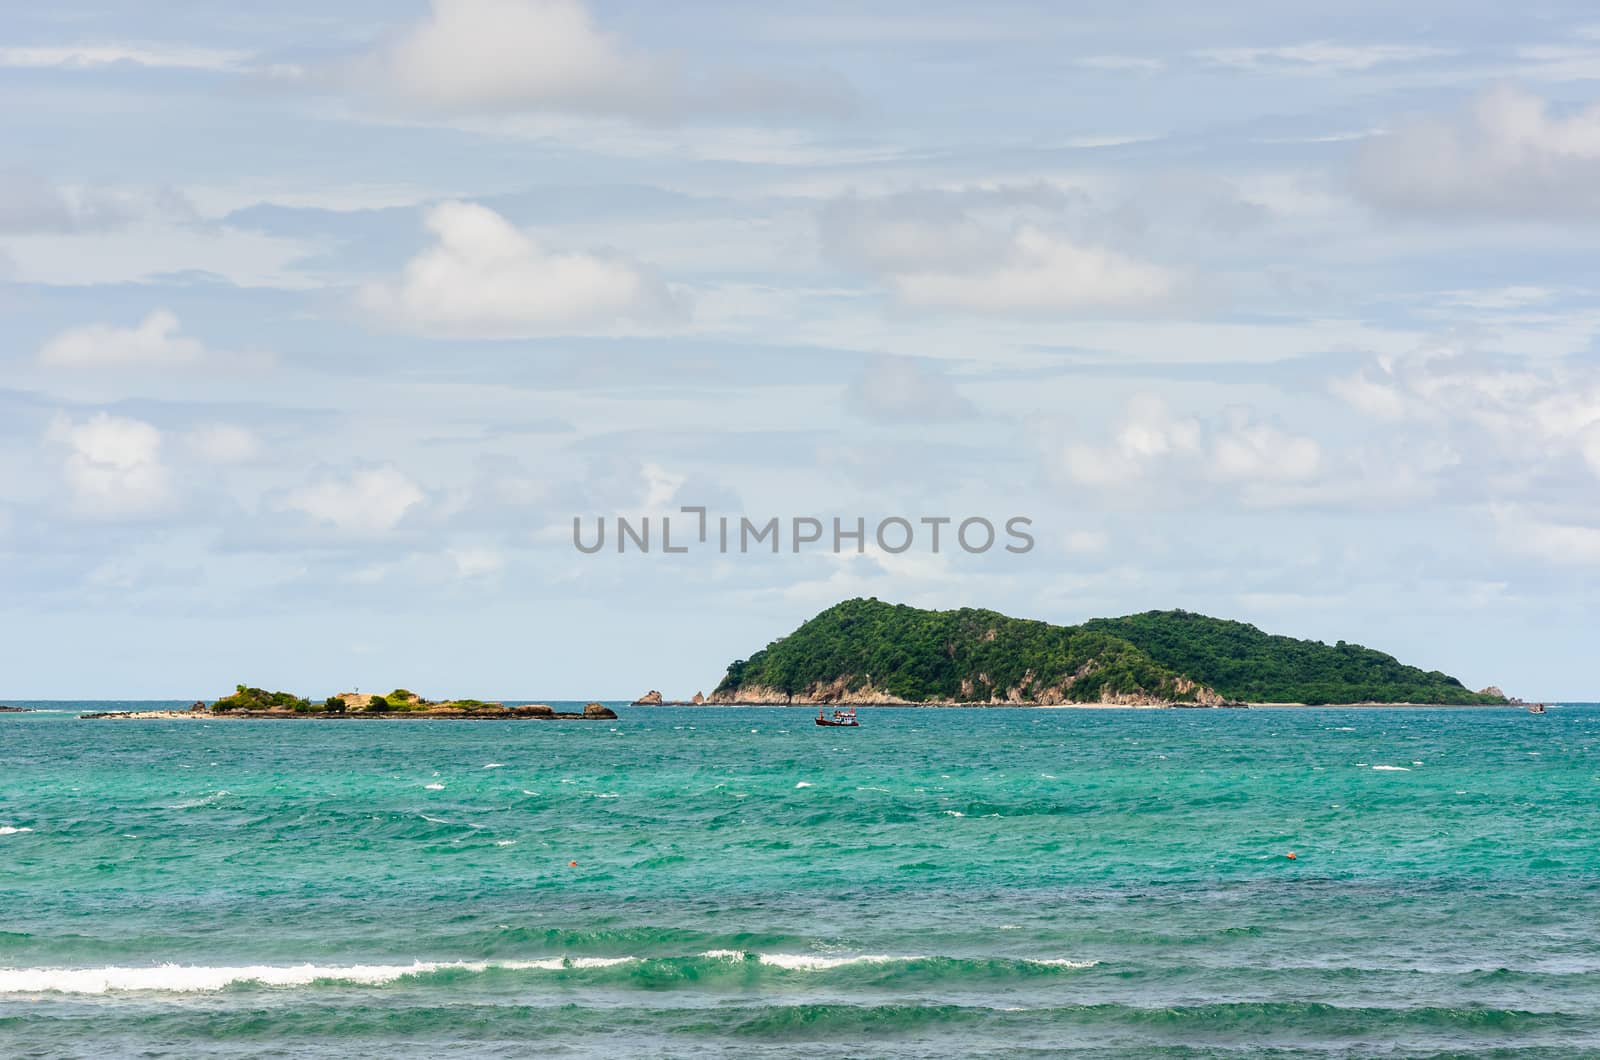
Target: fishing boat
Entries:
(1537, 708)
(842, 719)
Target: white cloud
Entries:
(495, 54)
(996, 250)
(1257, 452)
(1156, 447)
(1559, 543)
(112, 465)
(1122, 64)
(1507, 155)
(485, 278)
(89, 56)
(472, 563)
(29, 205)
(905, 388)
(479, 56)
(367, 502)
(155, 248)
(1322, 58)
(1085, 542)
(1041, 272)
(1517, 416)
(153, 342)
(223, 443)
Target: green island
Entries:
(246, 702)
(867, 651)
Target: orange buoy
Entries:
(1290, 856)
(574, 864)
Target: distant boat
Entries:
(1537, 708)
(842, 719)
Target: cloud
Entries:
(904, 388)
(476, 562)
(91, 56)
(367, 503)
(486, 56)
(1004, 250)
(223, 443)
(1517, 417)
(31, 205)
(485, 278)
(1157, 448)
(1320, 58)
(112, 465)
(1507, 155)
(153, 342)
(1559, 543)
(1040, 272)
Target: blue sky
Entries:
(319, 326)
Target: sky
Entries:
(319, 325)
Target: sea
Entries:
(738, 882)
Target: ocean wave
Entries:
(803, 961)
(650, 972)
(1392, 769)
(6, 829)
(811, 962)
(194, 979)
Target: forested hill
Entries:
(1241, 662)
(866, 651)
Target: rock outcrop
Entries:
(534, 710)
(698, 700)
(598, 711)
(651, 698)
(1024, 694)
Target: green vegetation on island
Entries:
(1241, 662)
(868, 651)
(247, 702)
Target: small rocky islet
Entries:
(246, 702)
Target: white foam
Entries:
(1392, 769)
(954, 813)
(806, 962)
(505, 842)
(6, 829)
(191, 979)
(433, 787)
(494, 765)
(205, 800)
(804, 784)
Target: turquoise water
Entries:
(936, 883)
